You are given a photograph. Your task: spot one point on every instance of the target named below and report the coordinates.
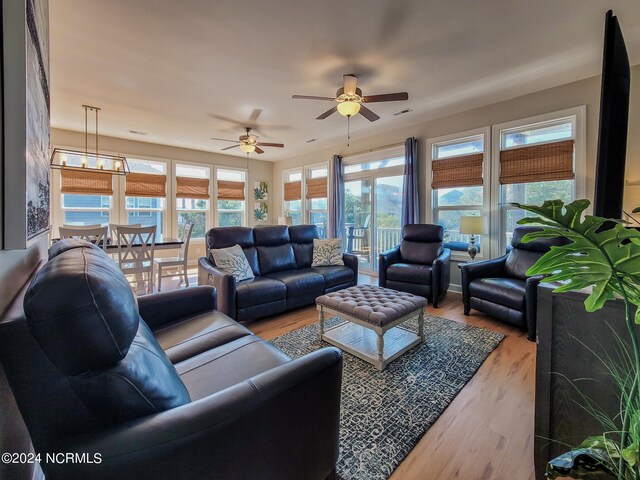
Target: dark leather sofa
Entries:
(164, 387)
(500, 287)
(280, 258)
(419, 265)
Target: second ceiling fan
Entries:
(350, 100)
(248, 143)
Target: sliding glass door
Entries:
(357, 220)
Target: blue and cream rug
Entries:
(384, 414)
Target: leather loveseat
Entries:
(164, 387)
(501, 288)
(280, 258)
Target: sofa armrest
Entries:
(350, 260)
(386, 259)
(531, 304)
(289, 416)
(162, 308)
(484, 269)
(224, 284)
(441, 275)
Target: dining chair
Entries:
(91, 233)
(180, 261)
(113, 227)
(136, 249)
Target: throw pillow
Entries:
(327, 252)
(232, 261)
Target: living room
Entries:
(233, 115)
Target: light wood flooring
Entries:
(486, 433)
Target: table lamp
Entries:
(472, 225)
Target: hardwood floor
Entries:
(486, 433)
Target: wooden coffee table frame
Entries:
(355, 336)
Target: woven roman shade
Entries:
(146, 185)
(187, 187)
(462, 171)
(86, 183)
(537, 163)
(228, 190)
(293, 191)
(317, 187)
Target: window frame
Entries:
(306, 204)
(208, 210)
(166, 210)
(285, 179)
(578, 118)
(433, 209)
(245, 173)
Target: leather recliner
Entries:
(280, 258)
(501, 288)
(188, 393)
(419, 265)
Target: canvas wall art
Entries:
(261, 191)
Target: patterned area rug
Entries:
(384, 414)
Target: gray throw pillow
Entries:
(327, 252)
(232, 261)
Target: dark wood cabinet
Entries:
(564, 363)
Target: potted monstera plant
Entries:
(604, 255)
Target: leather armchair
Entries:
(419, 265)
(500, 287)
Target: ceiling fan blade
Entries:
(226, 119)
(350, 82)
(229, 148)
(258, 150)
(386, 97)
(312, 97)
(278, 145)
(224, 140)
(327, 113)
(368, 114)
(254, 115)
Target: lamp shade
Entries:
(348, 108)
(473, 225)
(247, 147)
(285, 221)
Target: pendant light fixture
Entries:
(65, 159)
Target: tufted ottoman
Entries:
(370, 312)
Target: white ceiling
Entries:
(168, 67)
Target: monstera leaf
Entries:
(602, 254)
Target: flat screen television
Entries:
(614, 117)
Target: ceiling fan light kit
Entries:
(247, 147)
(348, 108)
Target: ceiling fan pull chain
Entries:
(348, 129)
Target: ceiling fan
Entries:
(350, 100)
(248, 143)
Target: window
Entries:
(86, 209)
(145, 194)
(316, 198)
(231, 202)
(536, 163)
(458, 178)
(293, 195)
(192, 197)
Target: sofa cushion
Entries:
(335, 275)
(420, 253)
(300, 282)
(276, 258)
(504, 291)
(81, 309)
(327, 252)
(302, 237)
(144, 382)
(227, 365)
(197, 333)
(271, 235)
(409, 273)
(223, 237)
(259, 290)
(232, 261)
